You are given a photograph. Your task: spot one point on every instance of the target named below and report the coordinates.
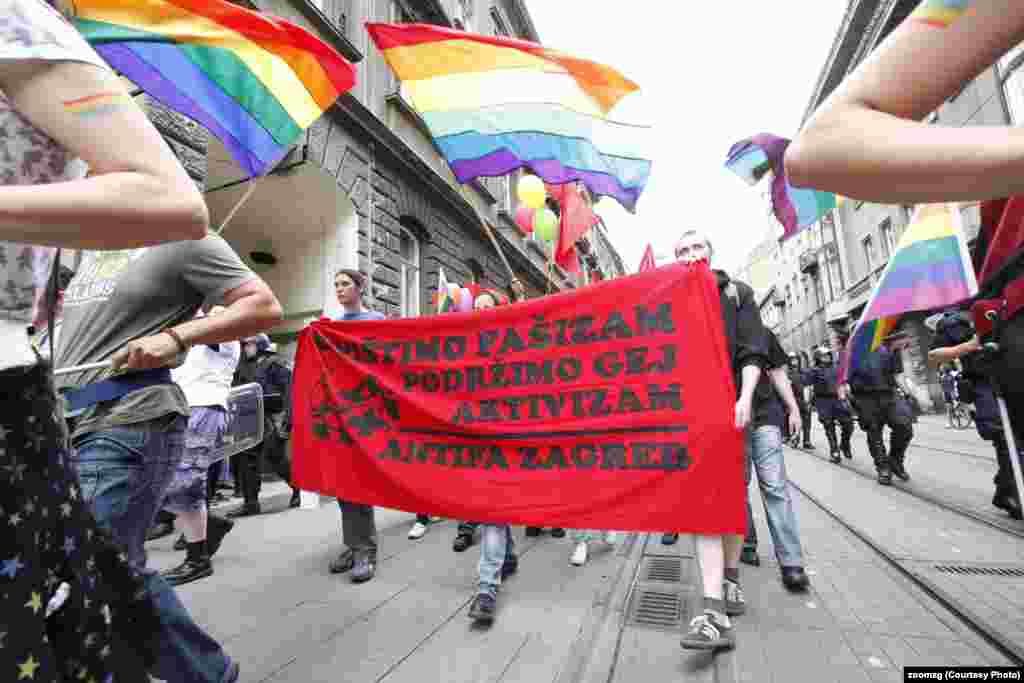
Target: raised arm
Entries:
(136, 194)
(867, 142)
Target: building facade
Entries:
(827, 272)
(366, 188)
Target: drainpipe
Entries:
(371, 265)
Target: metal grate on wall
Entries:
(966, 570)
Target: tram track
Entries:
(960, 611)
(1006, 527)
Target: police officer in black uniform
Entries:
(873, 384)
(262, 365)
(824, 381)
(952, 330)
(797, 379)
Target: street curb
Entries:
(593, 653)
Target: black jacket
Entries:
(749, 344)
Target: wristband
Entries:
(182, 347)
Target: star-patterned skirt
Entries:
(48, 538)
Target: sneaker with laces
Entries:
(579, 555)
(417, 531)
(707, 632)
(483, 608)
(735, 603)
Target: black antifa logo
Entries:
(363, 411)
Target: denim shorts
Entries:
(205, 433)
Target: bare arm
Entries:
(251, 308)
(749, 377)
(867, 142)
(937, 357)
(136, 194)
(782, 385)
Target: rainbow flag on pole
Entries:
(254, 82)
(931, 268)
(794, 207)
(493, 105)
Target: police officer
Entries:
(824, 381)
(953, 337)
(873, 384)
(797, 381)
(262, 365)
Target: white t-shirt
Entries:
(30, 29)
(206, 375)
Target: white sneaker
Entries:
(417, 530)
(579, 555)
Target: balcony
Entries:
(809, 262)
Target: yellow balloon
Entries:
(531, 191)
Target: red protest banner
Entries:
(610, 407)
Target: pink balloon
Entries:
(466, 302)
(524, 218)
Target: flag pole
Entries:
(245, 197)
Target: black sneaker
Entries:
(708, 633)
(808, 446)
(847, 453)
(188, 571)
(532, 531)
(181, 543)
(462, 542)
(669, 539)
(900, 471)
(510, 566)
(795, 579)
(1009, 504)
(557, 532)
(836, 458)
(750, 556)
(885, 477)
(343, 562)
(483, 608)
(363, 569)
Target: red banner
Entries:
(610, 407)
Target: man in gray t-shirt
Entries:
(136, 308)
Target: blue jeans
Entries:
(495, 544)
(124, 473)
(764, 453)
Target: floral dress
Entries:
(71, 608)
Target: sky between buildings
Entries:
(710, 74)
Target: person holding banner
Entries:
(205, 377)
(358, 528)
(748, 351)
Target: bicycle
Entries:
(959, 415)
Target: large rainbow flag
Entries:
(493, 105)
(794, 207)
(931, 268)
(254, 82)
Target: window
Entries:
(409, 260)
(819, 289)
(869, 251)
(835, 277)
(888, 237)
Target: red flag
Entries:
(577, 218)
(609, 407)
(647, 262)
(1000, 238)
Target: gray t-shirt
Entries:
(118, 296)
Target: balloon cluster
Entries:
(533, 215)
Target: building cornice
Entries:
(328, 31)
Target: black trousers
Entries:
(273, 452)
(878, 409)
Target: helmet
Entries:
(822, 356)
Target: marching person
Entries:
(719, 555)
(824, 381)
(954, 339)
(873, 385)
(205, 377)
(358, 528)
(797, 379)
(261, 364)
(62, 575)
(497, 557)
(870, 141)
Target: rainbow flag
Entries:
(254, 82)
(940, 13)
(794, 207)
(493, 105)
(931, 268)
